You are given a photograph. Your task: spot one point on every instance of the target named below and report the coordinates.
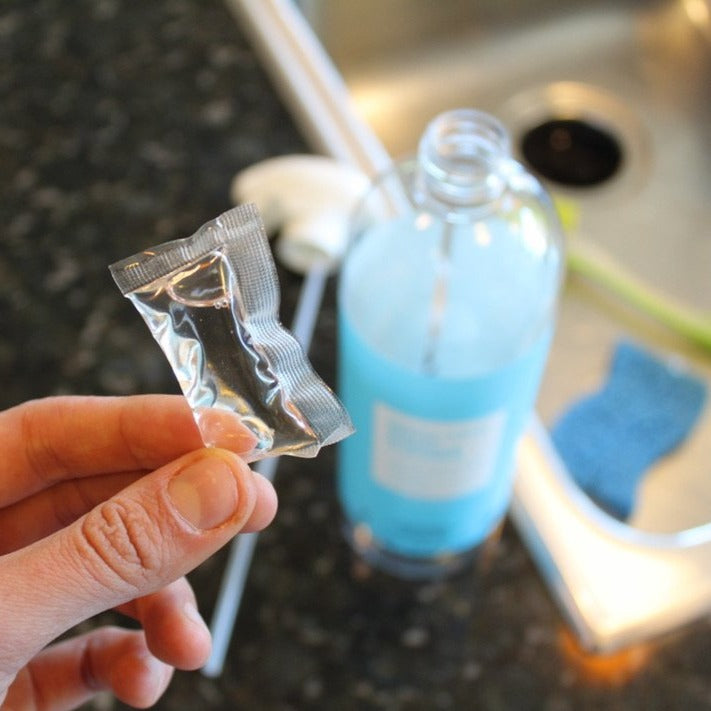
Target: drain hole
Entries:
(572, 152)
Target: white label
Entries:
(434, 460)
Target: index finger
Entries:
(46, 441)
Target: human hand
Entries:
(106, 503)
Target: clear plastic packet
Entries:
(211, 302)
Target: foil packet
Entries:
(211, 302)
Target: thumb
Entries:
(131, 545)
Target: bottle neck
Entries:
(459, 159)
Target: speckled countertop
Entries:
(121, 125)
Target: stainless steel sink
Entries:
(641, 71)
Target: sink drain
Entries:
(572, 152)
(580, 137)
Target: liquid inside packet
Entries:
(211, 302)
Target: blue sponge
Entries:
(610, 439)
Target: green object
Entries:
(595, 264)
(599, 267)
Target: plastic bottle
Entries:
(447, 302)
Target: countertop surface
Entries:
(121, 126)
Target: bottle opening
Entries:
(459, 154)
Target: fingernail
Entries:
(226, 430)
(191, 612)
(156, 675)
(205, 493)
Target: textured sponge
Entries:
(610, 439)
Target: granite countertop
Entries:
(121, 125)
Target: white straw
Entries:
(242, 548)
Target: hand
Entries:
(107, 503)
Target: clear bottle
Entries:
(446, 306)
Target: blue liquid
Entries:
(429, 470)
